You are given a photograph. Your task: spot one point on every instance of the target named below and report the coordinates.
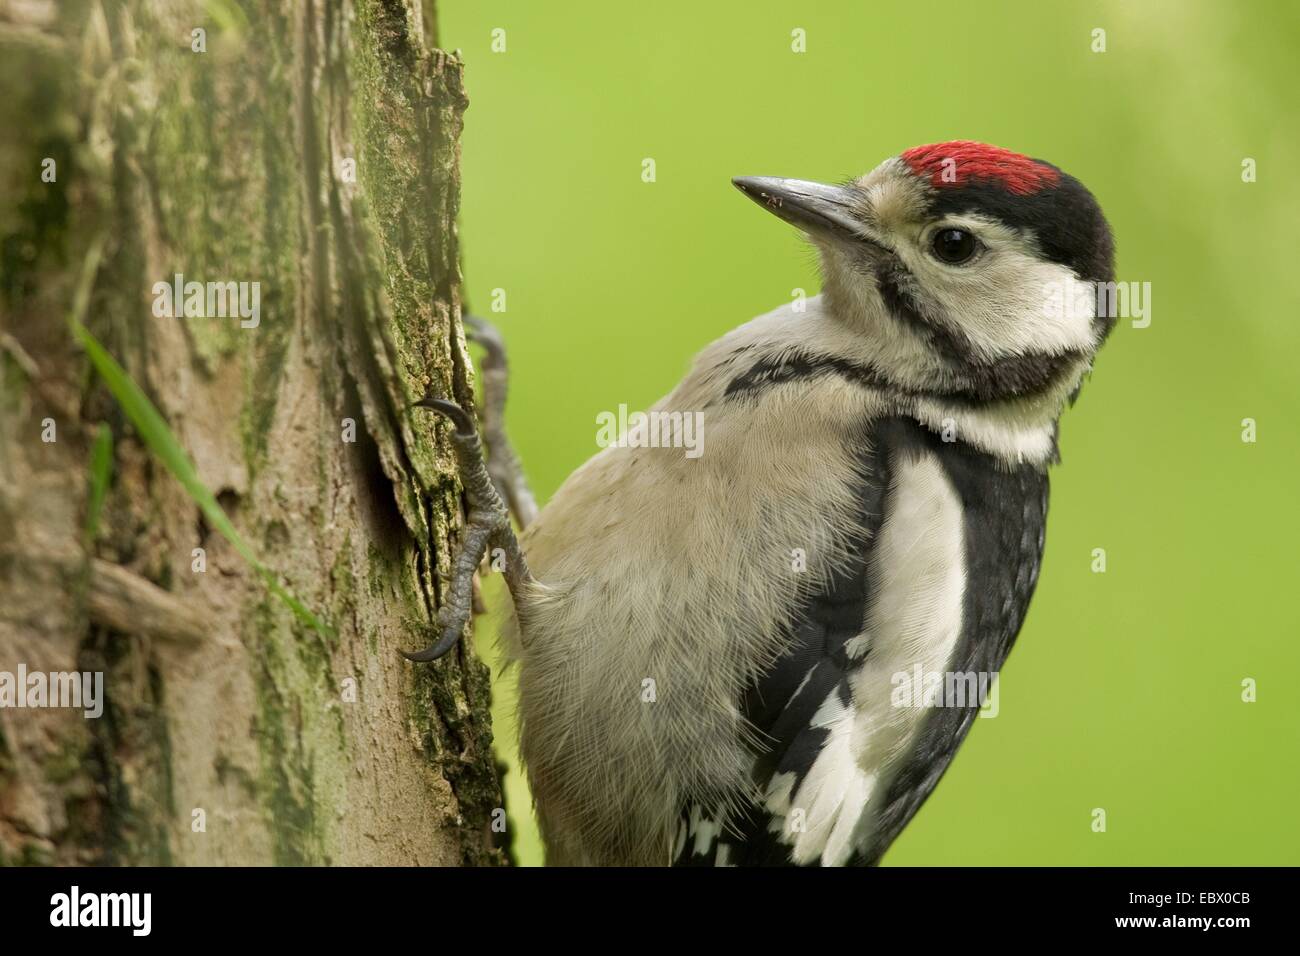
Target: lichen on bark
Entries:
(228, 165)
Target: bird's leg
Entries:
(487, 525)
(503, 464)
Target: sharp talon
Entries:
(459, 417)
(435, 651)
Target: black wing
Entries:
(1005, 514)
(782, 702)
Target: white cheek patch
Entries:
(1009, 301)
(1055, 309)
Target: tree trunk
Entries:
(310, 147)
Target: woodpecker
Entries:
(710, 647)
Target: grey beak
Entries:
(815, 208)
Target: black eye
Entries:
(954, 246)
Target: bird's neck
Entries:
(1019, 430)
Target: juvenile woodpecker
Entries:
(710, 647)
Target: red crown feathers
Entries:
(959, 162)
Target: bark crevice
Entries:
(291, 746)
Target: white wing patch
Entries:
(918, 566)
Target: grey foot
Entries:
(487, 524)
(502, 463)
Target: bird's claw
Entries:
(459, 417)
(450, 626)
(485, 519)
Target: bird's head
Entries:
(972, 269)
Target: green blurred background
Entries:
(1125, 689)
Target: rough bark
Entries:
(228, 165)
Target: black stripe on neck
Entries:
(951, 345)
(1011, 377)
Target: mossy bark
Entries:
(235, 164)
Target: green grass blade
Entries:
(101, 473)
(153, 429)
